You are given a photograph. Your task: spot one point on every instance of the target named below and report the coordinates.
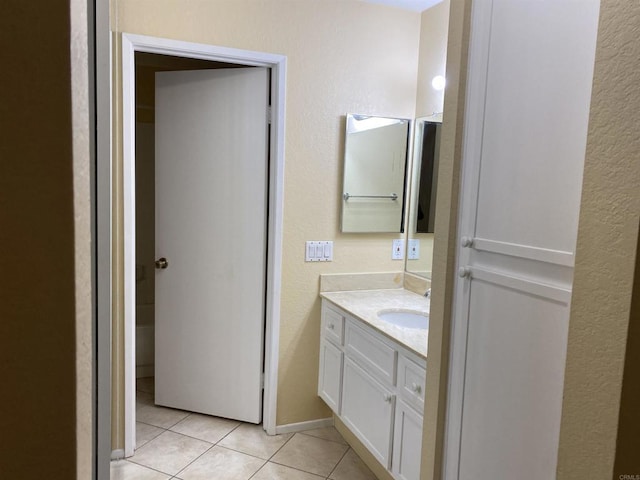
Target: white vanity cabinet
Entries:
(331, 357)
(375, 385)
(407, 443)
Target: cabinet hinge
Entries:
(269, 115)
(262, 380)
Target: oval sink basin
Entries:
(406, 319)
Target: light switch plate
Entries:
(414, 249)
(398, 249)
(318, 251)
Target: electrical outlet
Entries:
(414, 249)
(398, 249)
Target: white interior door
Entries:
(211, 205)
(530, 73)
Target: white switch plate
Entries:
(414, 249)
(398, 249)
(318, 251)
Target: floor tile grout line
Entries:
(194, 460)
(306, 471)
(296, 469)
(195, 438)
(211, 445)
(229, 433)
(151, 424)
(299, 469)
(321, 438)
(150, 468)
(341, 458)
(269, 460)
(217, 444)
(240, 451)
(281, 447)
(176, 433)
(256, 472)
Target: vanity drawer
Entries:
(332, 325)
(411, 382)
(374, 355)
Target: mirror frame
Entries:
(425, 245)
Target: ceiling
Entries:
(414, 5)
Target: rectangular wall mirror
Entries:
(374, 174)
(422, 201)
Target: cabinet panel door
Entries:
(513, 387)
(367, 409)
(330, 375)
(527, 113)
(407, 443)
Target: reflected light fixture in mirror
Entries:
(438, 82)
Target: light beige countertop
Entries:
(365, 305)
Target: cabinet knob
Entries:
(162, 263)
(332, 326)
(416, 388)
(466, 242)
(464, 272)
(388, 397)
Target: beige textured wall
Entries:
(434, 29)
(342, 56)
(37, 256)
(443, 276)
(606, 248)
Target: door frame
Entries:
(131, 44)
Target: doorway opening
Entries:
(142, 57)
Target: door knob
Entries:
(162, 263)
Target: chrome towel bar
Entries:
(347, 196)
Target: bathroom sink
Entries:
(405, 319)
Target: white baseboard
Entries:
(117, 454)
(299, 427)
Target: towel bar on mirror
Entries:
(347, 196)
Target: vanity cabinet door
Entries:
(407, 443)
(367, 409)
(330, 375)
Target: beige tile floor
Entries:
(173, 444)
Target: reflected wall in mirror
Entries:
(374, 174)
(422, 201)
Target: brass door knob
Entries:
(162, 263)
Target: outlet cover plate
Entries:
(414, 249)
(398, 249)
